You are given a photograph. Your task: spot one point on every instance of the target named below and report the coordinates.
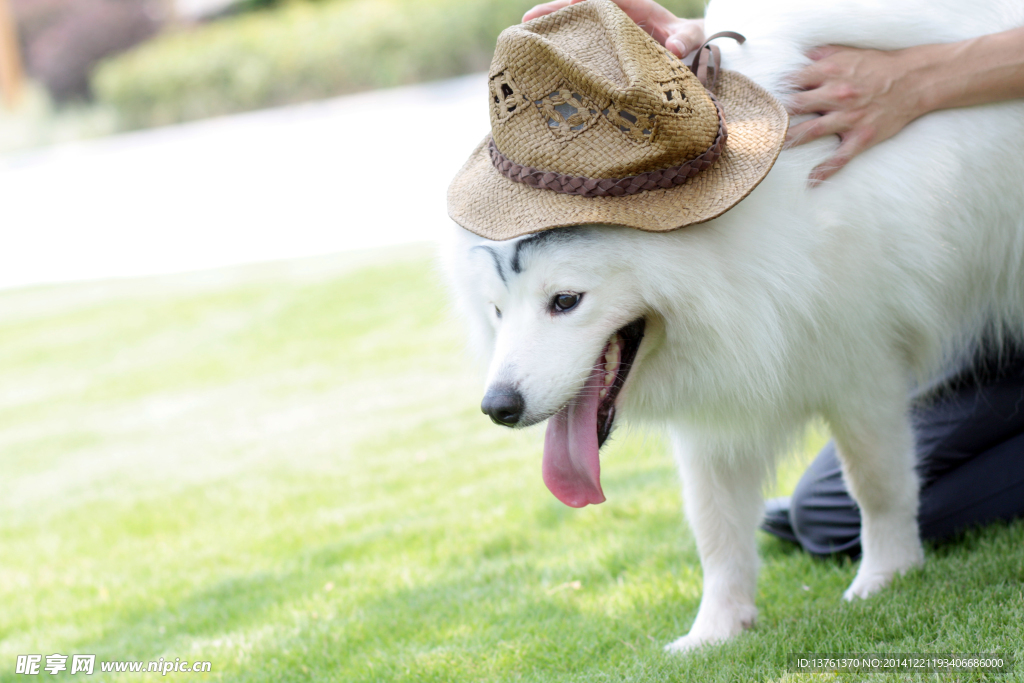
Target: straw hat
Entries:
(592, 121)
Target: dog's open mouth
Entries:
(572, 466)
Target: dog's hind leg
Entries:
(876, 448)
(723, 501)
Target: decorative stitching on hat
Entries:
(506, 98)
(567, 113)
(613, 187)
(673, 96)
(637, 127)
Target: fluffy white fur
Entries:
(797, 303)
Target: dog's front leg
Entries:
(875, 443)
(723, 502)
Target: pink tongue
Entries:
(572, 469)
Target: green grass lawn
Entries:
(283, 470)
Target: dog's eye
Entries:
(497, 312)
(566, 301)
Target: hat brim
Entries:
(485, 202)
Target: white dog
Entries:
(796, 303)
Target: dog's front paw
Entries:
(871, 580)
(714, 626)
(691, 641)
(866, 585)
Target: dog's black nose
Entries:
(504, 405)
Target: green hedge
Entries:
(304, 51)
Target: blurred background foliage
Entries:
(301, 51)
(149, 62)
(63, 40)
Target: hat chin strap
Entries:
(700, 69)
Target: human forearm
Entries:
(976, 71)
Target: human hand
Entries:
(680, 36)
(863, 96)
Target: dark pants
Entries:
(970, 455)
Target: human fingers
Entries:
(818, 127)
(809, 77)
(831, 96)
(853, 144)
(821, 68)
(546, 8)
(685, 37)
(649, 15)
(823, 51)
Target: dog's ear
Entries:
(463, 264)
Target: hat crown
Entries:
(585, 92)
